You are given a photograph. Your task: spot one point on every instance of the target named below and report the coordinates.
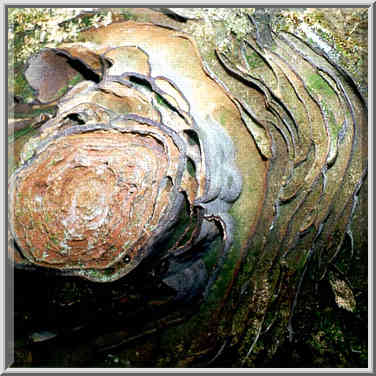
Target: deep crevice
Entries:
(141, 82)
(87, 73)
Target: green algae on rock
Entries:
(258, 150)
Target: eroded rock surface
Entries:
(202, 164)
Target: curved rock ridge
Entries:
(232, 177)
(134, 163)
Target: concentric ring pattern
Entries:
(130, 165)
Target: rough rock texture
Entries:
(257, 147)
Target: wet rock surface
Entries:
(266, 138)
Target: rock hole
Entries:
(192, 138)
(76, 119)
